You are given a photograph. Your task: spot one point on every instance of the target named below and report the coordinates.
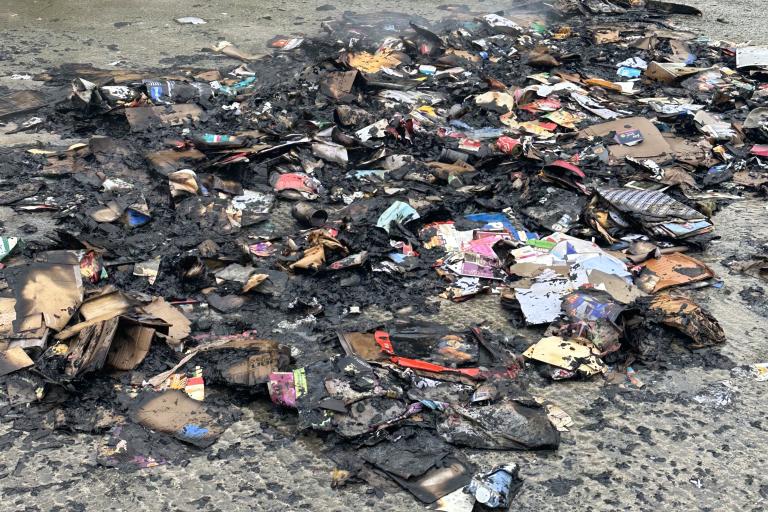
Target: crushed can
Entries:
(495, 488)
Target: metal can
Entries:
(308, 215)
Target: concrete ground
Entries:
(38, 34)
(691, 439)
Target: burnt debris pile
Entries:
(285, 230)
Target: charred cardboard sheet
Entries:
(107, 335)
(362, 344)
(242, 361)
(93, 74)
(756, 265)
(672, 270)
(670, 72)
(13, 359)
(47, 293)
(339, 84)
(566, 354)
(88, 352)
(179, 325)
(173, 412)
(7, 316)
(97, 309)
(107, 304)
(689, 318)
(144, 118)
(130, 345)
(167, 161)
(19, 102)
(652, 145)
(690, 152)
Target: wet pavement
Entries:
(692, 438)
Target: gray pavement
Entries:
(665, 446)
(40, 33)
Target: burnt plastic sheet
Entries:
(435, 345)
(420, 462)
(407, 452)
(506, 425)
(344, 394)
(453, 472)
(369, 414)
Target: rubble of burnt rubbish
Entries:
(283, 231)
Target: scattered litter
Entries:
(718, 395)
(760, 371)
(190, 20)
(757, 371)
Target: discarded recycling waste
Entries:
(241, 230)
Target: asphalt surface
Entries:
(691, 439)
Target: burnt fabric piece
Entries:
(649, 206)
(657, 212)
